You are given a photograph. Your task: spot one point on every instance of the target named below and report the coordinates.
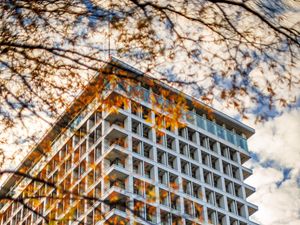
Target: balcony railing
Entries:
(190, 117)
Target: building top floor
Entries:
(149, 85)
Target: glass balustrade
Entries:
(210, 127)
(230, 137)
(220, 132)
(190, 117)
(200, 122)
(145, 95)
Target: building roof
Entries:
(219, 116)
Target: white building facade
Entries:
(131, 165)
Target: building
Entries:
(123, 154)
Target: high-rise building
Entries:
(133, 150)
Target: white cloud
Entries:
(277, 141)
(264, 176)
(20, 139)
(277, 205)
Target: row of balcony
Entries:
(117, 164)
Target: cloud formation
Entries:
(276, 170)
(278, 140)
